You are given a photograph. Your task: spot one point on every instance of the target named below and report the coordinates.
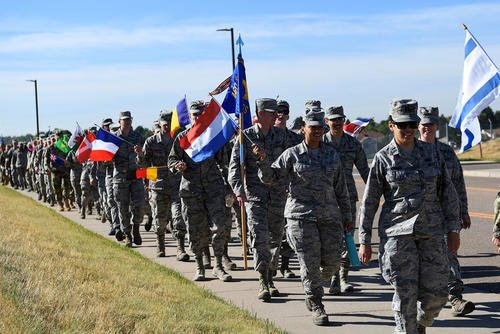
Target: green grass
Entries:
(56, 276)
(491, 151)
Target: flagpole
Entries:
(242, 207)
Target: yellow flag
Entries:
(152, 173)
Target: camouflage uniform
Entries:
(455, 283)
(113, 213)
(202, 192)
(21, 164)
(156, 149)
(265, 204)
(128, 191)
(87, 178)
(75, 176)
(420, 206)
(59, 176)
(314, 213)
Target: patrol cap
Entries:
(156, 125)
(114, 127)
(404, 110)
(125, 115)
(266, 104)
(196, 107)
(429, 115)
(310, 104)
(107, 121)
(283, 107)
(315, 117)
(165, 117)
(335, 112)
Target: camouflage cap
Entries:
(114, 126)
(107, 121)
(156, 125)
(429, 115)
(283, 107)
(125, 115)
(335, 112)
(404, 110)
(312, 104)
(315, 117)
(196, 107)
(266, 104)
(165, 117)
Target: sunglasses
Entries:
(406, 125)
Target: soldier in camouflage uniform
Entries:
(202, 191)
(75, 175)
(429, 122)
(87, 180)
(111, 213)
(495, 239)
(351, 154)
(3, 153)
(59, 175)
(264, 204)
(156, 150)
(293, 139)
(420, 207)
(128, 191)
(317, 209)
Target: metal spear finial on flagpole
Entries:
(464, 26)
(239, 42)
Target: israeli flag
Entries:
(480, 87)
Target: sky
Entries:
(93, 59)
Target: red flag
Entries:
(140, 173)
(83, 151)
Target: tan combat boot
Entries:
(219, 271)
(264, 293)
(200, 269)
(181, 251)
(345, 286)
(160, 245)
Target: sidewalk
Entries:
(367, 310)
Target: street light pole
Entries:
(232, 43)
(36, 104)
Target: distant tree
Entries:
(484, 117)
(144, 132)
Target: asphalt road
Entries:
(479, 261)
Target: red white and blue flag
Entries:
(105, 146)
(212, 130)
(85, 148)
(355, 127)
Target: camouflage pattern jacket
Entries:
(156, 150)
(317, 190)
(419, 197)
(351, 154)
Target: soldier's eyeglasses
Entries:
(406, 125)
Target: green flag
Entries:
(62, 144)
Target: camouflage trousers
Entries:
(418, 270)
(317, 245)
(75, 176)
(266, 225)
(62, 185)
(160, 209)
(206, 219)
(178, 225)
(129, 196)
(455, 283)
(40, 180)
(112, 213)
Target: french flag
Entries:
(85, 148)
(104, 146)
(212, 130)
(354, 128)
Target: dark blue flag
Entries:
(236, 100)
